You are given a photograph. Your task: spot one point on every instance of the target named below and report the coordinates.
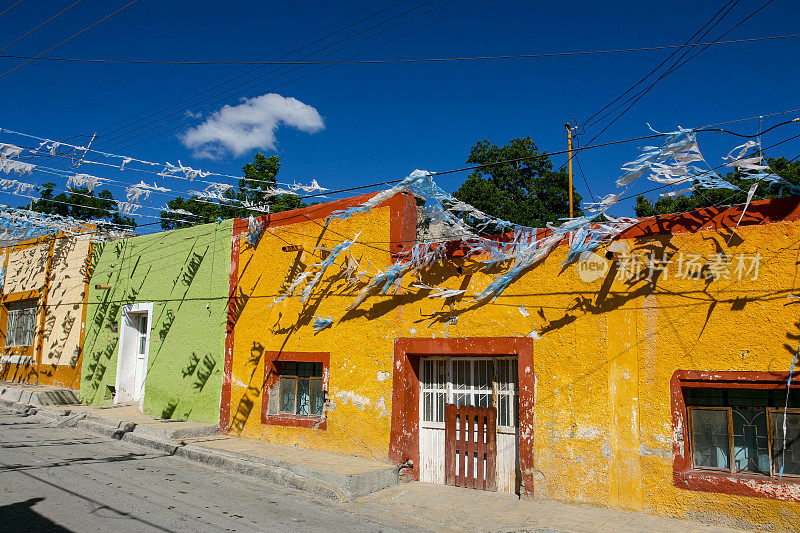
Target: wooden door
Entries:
(470, 446)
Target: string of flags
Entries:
(677, 160)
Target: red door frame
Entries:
(404, 439)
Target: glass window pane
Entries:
(303, 399)
(710, 438)
(427, 406)
(21, 324)
(317, 397)
(440, 400)
(750, 441)
(287, 395)
(786, 459)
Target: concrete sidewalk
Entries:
(324, 474)
(446, 508)
(369, 486)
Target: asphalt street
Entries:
(64, 479)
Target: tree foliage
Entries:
(81, 204)
(259, 178)
(527, 192)
(716, 197)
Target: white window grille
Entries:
(21, 325)
(477, 382)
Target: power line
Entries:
(244, 87)
(42, 25)
(655, 69)
(12, 6)
(672, 69)
(394, 61)
(74, 35)
(298, 41)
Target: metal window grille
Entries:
(21, 325)
(301, 389)
(475, 382)
(741, 433)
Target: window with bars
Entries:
(477, 382)
(741, 431)
(21, 325)
(300, 391)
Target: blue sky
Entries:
(383, 121)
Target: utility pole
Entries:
(569, 148)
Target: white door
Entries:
(134, 344)
(141, 356)
(473, 381)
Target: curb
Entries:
(262, 469)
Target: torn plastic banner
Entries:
(12, 165)
(84, 180)
(322, 322)
(214, 191)
(18, 186)
(254, 230)
(323, 266)
(135, 192)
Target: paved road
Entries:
(63, 479)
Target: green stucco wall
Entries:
(184, 273)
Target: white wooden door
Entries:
(470, 381)
(140, 371)
(433, 395)
(134, 344)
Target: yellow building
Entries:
(651, 375)
(45, 285)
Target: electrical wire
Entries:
(655, 69)
(42, 25)
(633, 100)
(74, 35)
(180, 115)
(296, 42)
(396, 61)
(12, 6)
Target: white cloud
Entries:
(250, 125)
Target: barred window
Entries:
(745, 431)
(21, 324)
(301, 388)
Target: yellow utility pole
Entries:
(569, 147)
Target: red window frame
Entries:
(685, 476)
(271, 377)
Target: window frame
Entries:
(770, 412)
(686, 476)
(729, 423)
(296, 378)
(9, 309)
(272, 377)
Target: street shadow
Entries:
(20, 516)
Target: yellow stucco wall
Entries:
(604, 354)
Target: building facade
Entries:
(156, 322)
(652, 375)
(43, 311)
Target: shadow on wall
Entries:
(175, 385)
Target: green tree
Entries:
(527, 192)
(260, 177)
(702, 197)
(80, 203)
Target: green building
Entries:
(155, 323)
